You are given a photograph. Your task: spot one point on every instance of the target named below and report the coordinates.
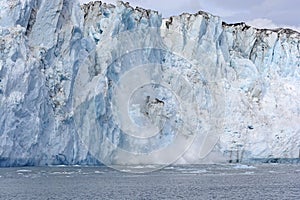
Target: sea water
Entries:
(264, 181)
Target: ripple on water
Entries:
(24, 171)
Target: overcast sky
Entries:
(259, 13)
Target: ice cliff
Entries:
(236, 86)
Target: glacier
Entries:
(67, 70)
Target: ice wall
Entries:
(60, 64)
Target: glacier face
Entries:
(64, 70)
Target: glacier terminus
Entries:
(102, 83)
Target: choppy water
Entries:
(174, 182)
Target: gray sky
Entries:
(259, 13)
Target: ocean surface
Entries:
(264, 181)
